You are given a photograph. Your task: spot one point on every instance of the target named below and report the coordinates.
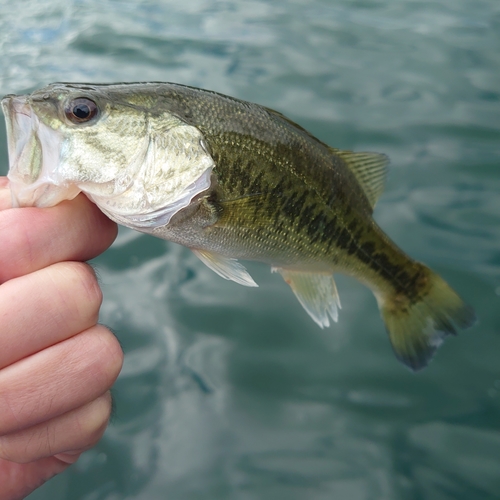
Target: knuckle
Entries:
(11, 450)
(5, 451)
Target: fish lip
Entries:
(16, 104)
(29, 186)
(15, 107)
(21, 124)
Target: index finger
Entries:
(34, 238)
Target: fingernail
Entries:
(69, 457)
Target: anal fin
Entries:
(316, 292)
(229, 269)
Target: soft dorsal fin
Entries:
(370, 170)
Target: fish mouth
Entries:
(19, 120)
(34, 150)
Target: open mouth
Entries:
(21, 131)
(33, 156)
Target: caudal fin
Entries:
(417, 325)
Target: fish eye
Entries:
(81, 110)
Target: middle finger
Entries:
(43, 308)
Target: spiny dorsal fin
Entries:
(370, 170)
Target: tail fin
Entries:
(417, 327)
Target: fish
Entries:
(232, 181)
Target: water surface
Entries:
(234, 393)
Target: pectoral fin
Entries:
(229, 269)
(316, 292)
(243, 208)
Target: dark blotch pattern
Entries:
(284, 193)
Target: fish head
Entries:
(119, 144)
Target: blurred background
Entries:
(234, 393)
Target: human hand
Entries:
(56, 363)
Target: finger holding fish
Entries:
(56, 364)
(36, 238)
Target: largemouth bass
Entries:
(230, 180)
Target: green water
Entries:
(234, 393)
